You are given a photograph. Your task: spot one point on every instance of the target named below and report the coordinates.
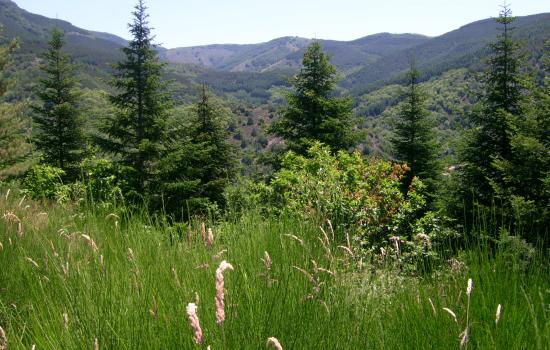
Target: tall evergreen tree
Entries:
(201, 161)
(59, 138)
(13, 139)
(313, 114)
(414, 140)
(499, 104)
(136, 132)
(525, 174)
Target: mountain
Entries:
(464, 47)
(33, 31)
(286, 52)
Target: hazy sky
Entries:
(198, 22)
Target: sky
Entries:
(179, 23)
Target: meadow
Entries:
(101, 278)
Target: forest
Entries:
(365, 200)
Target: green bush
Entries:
(361, 196)
(43, 181)
(100, 180)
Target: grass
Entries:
(139, 302)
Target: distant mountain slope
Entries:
(286, 52)
(33, 33)
(463, 47)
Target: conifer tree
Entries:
(313, 114)
(59, 138)
(525, 174)
(414, 140)
(201, 161)
(13, 144)
(135, 134)
(493, 116)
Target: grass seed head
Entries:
(210, 238)
(3, 340)
(273, 342)
(194, 322)
(470, 287)
(220, 292)
(497, 316)
(450, 312)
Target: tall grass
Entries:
(130, 288)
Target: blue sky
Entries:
(198, 22)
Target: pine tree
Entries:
(201, 161)
(414, 140)
(13, 144)
(136, 132)
(493, 115)
(59, 139)
(313, 114)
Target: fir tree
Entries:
(201, 161)
(59, 138)
(525, 174)
(313, 114)
(137, 130)
(493, 115)
(13, 139)
(414, 140)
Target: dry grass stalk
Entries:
(8, 193)
(32, 261)
(450, 312)
(66, 321)
(194, 321)
(130, 255)
(464, 337)
(433, 307)
(331, 228)
(273, 342)
(112, 216)
(219, 254)
(210, 238)
(203, 232)
(497, 316)
(296, 238)
(267, 260)
(33, 347)
(22, 200)
(3, 340)
(1, 246)
(10, 217)
(347, 250)
(96, 344)
(176, 278)
(154, 309)
(65, 268)
(220, 292)
(91, 242)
